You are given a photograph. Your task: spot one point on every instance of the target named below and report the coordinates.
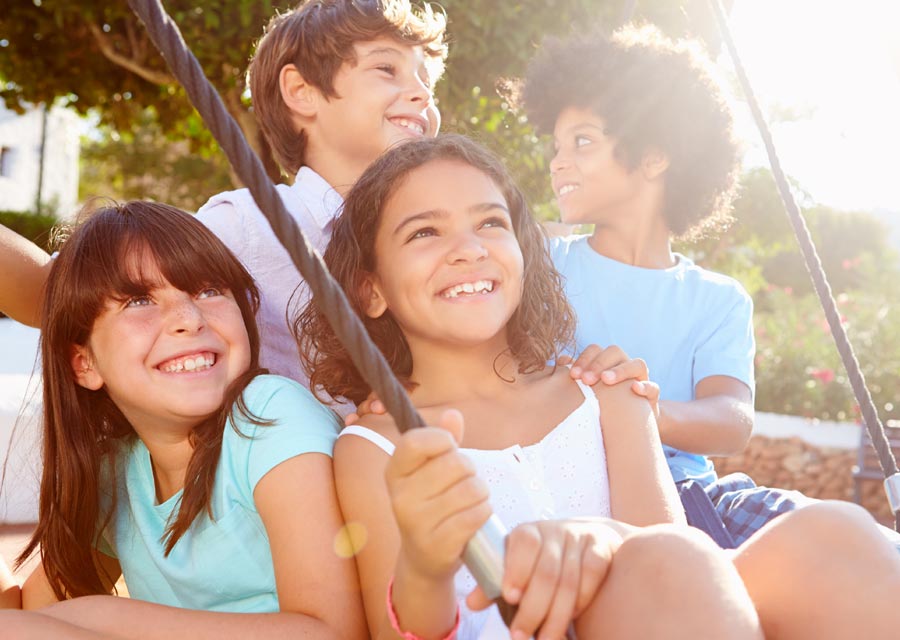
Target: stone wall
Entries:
(817, 471)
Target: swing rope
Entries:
(483, 555)
(820, 283)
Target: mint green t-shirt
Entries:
(223, 563)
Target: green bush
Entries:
(798, 369)
(36, 228)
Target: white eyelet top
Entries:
(561, 476)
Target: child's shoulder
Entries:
(713, 281)
(380, 429)
(237, 201)
(562, 246)
(276, 398)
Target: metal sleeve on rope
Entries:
(817, 273)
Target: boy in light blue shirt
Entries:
(644, 152)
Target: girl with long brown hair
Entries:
(169, 456)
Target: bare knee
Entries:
(817, 528)
(669, 550)
(666, 578)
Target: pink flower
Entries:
(825, 376)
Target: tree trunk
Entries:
(247, 122)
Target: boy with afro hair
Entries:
(644, 152)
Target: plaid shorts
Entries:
(745, 507)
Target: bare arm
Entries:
(316, 587)
(37, 592)
(23, 271)
(717, 423)
(10, 592)
(425, 600)
(640, 484)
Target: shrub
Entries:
(35, 227)
(798, 368)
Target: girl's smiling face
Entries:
(448, 263)
(165, 356)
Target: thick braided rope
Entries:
(327, 293)
(814, 266)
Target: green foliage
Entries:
(143, 162)
(36, 228)
(798, 369)
(760, 247)
(96, 56)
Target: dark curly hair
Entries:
(541, 327)
(652, 94)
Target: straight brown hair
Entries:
(83, 430)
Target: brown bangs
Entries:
(113, 241)
(100, 259)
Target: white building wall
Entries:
(20, 140)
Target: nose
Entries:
(184, 316)
(558, 162)
(417, 90)
(467, 247)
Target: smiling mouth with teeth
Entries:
(567, 188)
(482, 287)
(188, 364)
(412, 125)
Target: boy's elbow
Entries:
(11, 597)
(740, 429)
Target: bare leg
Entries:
(10, 592)
(823, 571)
(670, 582)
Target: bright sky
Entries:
(835, 65)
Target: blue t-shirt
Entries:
(223, 563)
(687, 323)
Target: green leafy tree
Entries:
(96, 55)
(760, 248)
(142, 162)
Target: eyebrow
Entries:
(582, 126)
(383, 51)
(432, 214)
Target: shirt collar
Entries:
(324, 201)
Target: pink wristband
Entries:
(395, 624)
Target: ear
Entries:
(86, 374)
(654, 164)
(300, 97)
(373, 301)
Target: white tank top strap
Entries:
(375, 438)
(586, 390)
